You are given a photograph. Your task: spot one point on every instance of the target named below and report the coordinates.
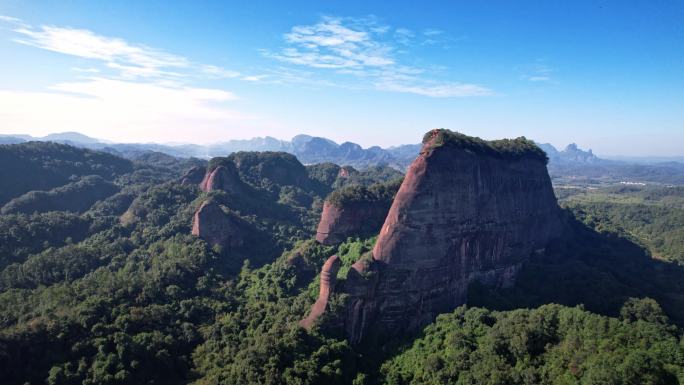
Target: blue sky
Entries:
(608, 75)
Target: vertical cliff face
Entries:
(223, 177)
(338, 222)
(194, 175)
(467, 210)
(216, 227)
(355, 211)
(328, 279)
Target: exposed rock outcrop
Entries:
(222, 177)
(328, 279)
(217, 227)
(194, 175)
(338, 222)
(467, 210)
(355, 211)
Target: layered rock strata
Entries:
(339, 221)
(328, 279)
(467, 210)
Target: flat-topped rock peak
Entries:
(467, 210)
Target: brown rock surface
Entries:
(341, 221)
(328, 279)
(213, 225)
(224, 177)
(464, 212)
(194, 175)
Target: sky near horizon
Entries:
(608, 75)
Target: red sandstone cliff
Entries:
(467, 210)
(355, 211)
(338, 222)
(328, 279)
(213, 225)
(194, 175)
(224, 177)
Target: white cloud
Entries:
(404, 36)
(436, 90)
(88, 70)
(218, 72)
(254, 78)
(362, 49)
(331, 44)
(538, 72)
(10, 19)
(131, 60)
(128, 60)
(139, 93)
(538, 78)
(123, 110)
(432, 32)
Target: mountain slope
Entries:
(45, 165)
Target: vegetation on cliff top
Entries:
(517, 148)
(379, 193)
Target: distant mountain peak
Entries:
(70, 136)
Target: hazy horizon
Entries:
(606, 75)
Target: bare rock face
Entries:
(328, 279)
(338, 222)
(355, 211)
(194, 175)
(223, 177)
(467, 210)
(213, 225)
(345, 172)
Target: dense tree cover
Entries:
(22, 235)
(507, 148)
(379, 193)
(326, 173)
(548, 345)
(45, 165)
(123, 294)
(599, 270)
(77, 196)
(652, 216)
(266, 169)
(330, 174)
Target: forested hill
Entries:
(103, 282)
(45, 165)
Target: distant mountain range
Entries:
(308, 149)
(571, 165)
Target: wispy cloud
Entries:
(441, 90)
(432, 32)
(365, 49)
(331, 44)
(125, 110)
(131, 60)
(538, 72)
(130, 90)
(128, 60)
(10, 19)
(404, 36)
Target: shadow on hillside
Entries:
(597, 270)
